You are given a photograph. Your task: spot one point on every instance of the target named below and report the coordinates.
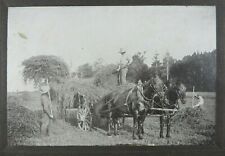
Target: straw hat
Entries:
(139, 82)
(122, 52)
(44, 87)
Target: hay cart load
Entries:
(80, 113)
(76, 100)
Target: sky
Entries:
(82, 34)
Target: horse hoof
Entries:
(161, 136)
(109, 134)
(134, 138)
(140, 137)
(116, 134)
(168, 136)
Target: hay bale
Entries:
(22, 123)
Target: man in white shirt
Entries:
(123, 68)
(46, 104)
(200, 101)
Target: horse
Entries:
(125, 101)
(168, 100)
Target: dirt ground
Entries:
(182, 133)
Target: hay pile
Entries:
(196, 120)
(91, 92)
(106, 77)
(191, 116)
(70, 88)
(22, 123)
(63, 96)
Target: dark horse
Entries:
(168, 101)
(125, 101)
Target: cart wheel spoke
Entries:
(84, 119)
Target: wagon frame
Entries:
(82, 111)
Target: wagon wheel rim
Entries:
(84, 119)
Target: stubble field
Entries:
(189, 126)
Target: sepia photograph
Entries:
(111, 75)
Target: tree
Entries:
(85, 70)
(156, 64)
(138, 70)
(106, 76)
(98, 64)
(197, 70)
(44, 66)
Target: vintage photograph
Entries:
(111, 75)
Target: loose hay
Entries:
(195, 119)
(191, 116)
(63, 97)
(22, 123)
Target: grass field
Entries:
(190, 130)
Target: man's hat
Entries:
(44, 89)
(122, 52)
(196, 96)
(139, 82)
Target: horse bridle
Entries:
(180, 96)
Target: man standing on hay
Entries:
(122, 68)
(46, 104)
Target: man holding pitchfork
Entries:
(46, 104)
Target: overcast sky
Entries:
(84, 34)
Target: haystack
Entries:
(22, 123)
(195, 119)
(63, 97)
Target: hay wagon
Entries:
(79, 112)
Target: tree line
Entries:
(198, 70)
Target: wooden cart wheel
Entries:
(84, 119)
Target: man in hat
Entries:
(46, 104)
(200, 101)
(123, 68)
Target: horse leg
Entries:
(161, 126)
(168, 127)
(143, 119)
(123, 122)
(134, 126)
(140, 128)
(109, 119)
(115, 123)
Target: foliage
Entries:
(44, 66)
(197, 70)
(98, 64)
(138, 69)
(85, 71)
(106, 76)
